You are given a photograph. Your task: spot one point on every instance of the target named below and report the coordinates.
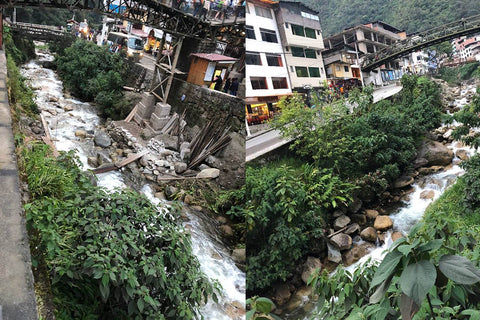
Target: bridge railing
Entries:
(421, 39)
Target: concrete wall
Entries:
(203, 104)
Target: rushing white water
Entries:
(212, 255)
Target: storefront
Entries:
(205, 67)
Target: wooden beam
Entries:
(131, 114)
(118, 165)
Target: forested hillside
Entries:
(410, 15)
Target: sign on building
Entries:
(220, 47)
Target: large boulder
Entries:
(462, 154)
(210, 173)
(102, 139)
(342, 241)
(371, 213)
(356, 253)
(309, 268)
(396, 235)
(334, 254)
(282, 293)
(341, 222)
(369, 234)
(427, 194)
(383, 223)
(239, 255)
(403, 182)
(435, 153)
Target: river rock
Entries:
(227, 230)
(383, 223)
(81, 134)
(359, 218)
(355, 205)
(338, 213)
(371, 213)
(356, 253)
(342, 241)
(160, 195)
(214, 162)
(180, 167)
(435, 153)
(427, 194)
(420, 162)
(102, 139)
(396, 235)
(369, 234)
(239, 255)
(170, 142)
(282, 293)
(462, 154)
(334, 254)
(170, 192)
(298, 299)
(210, 173)
(309, 268)
(403, 182)
(188, 199)
(68, 108)
(354, 227)
(430, 170)
(341, 222)
(235, 310)
(92, 161)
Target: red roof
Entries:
(213, 57)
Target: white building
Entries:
(266, 72)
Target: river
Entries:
(65, 116)
(412, 209)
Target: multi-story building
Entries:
(416, 62)
(302, 42)
(369, 38)
(342, 66)
(266, 71)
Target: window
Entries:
(310, 33)
(309, 53)
(263, 12)
(253, 58)
(314, 72)
(298, 30)
(258, 83)
(249, 32)
(302, 72)
(345, 68)
(268, 35)
(286, 25)
(280, 83)
(298, 52)
(291, 69)
(310, 16)
(274, 60)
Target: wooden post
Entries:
(159, 56)
(174, 66)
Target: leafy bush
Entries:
(92, 73)
(19, 49)
(285, 216)
(109, 255)
(456, 74)
(372, 145)
(19, 92)
(471, 177)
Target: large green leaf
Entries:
(459, 269)
(380, 292)
(430, 245)
(417, 279)
(408, 307)
(386, 267)
(264, 305)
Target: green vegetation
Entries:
(349, 154)
(20, 94)
(371, 146)
(92, 73)
(260, 308)
(431, 274)
(108, 255)
(286, 210)
(459, 73)
(409, 15)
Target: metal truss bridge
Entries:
(421, 40)
(156, 13)
(42, 32)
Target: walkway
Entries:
(17, 298)
(268, 140)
